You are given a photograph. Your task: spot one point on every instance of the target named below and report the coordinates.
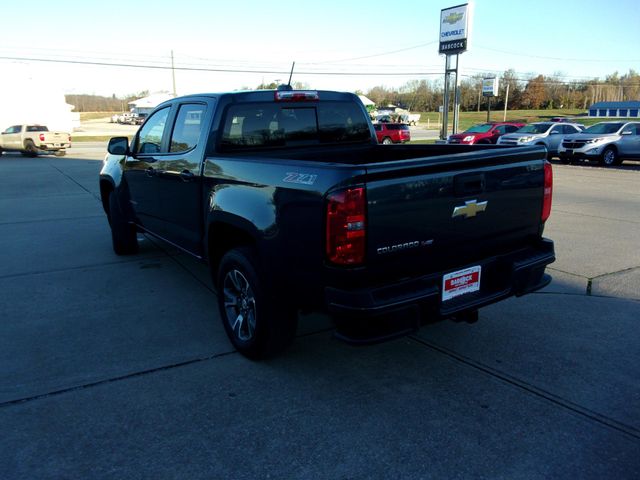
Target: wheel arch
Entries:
(223, 236)
(106, 187)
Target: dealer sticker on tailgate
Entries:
(460, 282)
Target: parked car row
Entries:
(128, 118)
(607, 142)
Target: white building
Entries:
(146, 105)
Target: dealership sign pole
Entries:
(454, 29)
(489, 89)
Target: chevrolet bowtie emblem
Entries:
(469, 209)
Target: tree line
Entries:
(533, 93)
(97, 103)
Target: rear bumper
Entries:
(514, 274)
(54, 147)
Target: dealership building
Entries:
(615, 109)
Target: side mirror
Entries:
(118, 146)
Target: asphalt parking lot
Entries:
(118, 367)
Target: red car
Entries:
(484, 133)
(388, 133)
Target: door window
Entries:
(150, 136)
(186, 132)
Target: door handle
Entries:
(187, 176)
(150, 171)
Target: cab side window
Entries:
(186, 132)
(150, 136)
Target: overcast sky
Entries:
(343, 45)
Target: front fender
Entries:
(112, 169)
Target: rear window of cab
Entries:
(256, 125)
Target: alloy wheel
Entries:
(239, 305)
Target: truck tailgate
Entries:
(440, 214)
(56, 137)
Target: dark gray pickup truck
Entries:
(294, 206)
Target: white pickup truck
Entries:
(30, 140)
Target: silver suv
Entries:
(549, 134)
(607, 142)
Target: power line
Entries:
(209, 69)
(543, 57)
(377, 54)
(593, 82)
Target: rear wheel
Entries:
(123, 233)
(610, 157)
(386, 141)
(258, 325)
(30, 148)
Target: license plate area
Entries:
(460, 282)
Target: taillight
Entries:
(41, 136)
(296, 96)
(346, 226)
(548, 191)
(69, 138)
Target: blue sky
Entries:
(387, 43)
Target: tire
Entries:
(123, 233)
(258, 325)
(610, 157)
(60, 153)
(549, 156)
(30, 148)
(386, 141)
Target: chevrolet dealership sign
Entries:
(454, 29)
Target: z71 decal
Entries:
(300, 178)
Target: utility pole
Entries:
(173, 75)
(506, 100)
